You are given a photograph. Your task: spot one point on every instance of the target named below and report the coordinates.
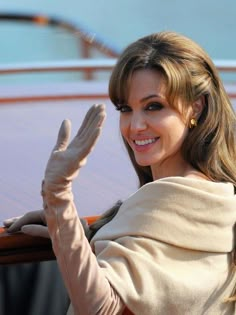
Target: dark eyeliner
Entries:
(154, 106)
(123, 108)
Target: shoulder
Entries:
(196, 183)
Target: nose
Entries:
(137, 122)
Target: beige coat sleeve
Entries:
(89, 290)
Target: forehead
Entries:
(146, 82)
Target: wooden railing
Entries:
(22, 248)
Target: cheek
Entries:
(179, 133)
(173, 131)
(123, 126)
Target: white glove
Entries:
(33, 223)
(66, 159)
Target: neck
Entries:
(179, 168)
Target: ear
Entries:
(198, 106)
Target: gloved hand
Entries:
(62, 167)
(34, 223)
(66, 159)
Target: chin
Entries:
(143, 163)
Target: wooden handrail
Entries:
(22, 248)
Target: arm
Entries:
(89, 290)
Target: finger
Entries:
(91, 129)
(87, 117)
(90, 142)
(63, 136)
(28, 218)
(10, 221)
(92, 114)
(86, 142)
(35, 230)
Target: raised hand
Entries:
(62, 167)
(66, 159)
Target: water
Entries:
(211, 23)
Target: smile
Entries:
(145, 142)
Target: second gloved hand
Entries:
(32, 223)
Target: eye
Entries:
(154, 106)
(123, 108)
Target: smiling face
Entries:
(154, 130)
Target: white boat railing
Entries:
(76, 90)
(83, 65)
(87, 64)
(225, 65)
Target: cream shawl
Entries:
(167, 251)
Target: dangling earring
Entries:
(193, 123)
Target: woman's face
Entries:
(154, 130)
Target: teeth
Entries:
(143, 142)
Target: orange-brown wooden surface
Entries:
(22, 248)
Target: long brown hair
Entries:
(190, 74)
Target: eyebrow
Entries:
(151, 96)
(146, 98)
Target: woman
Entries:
(168, 249)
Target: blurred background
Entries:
(33, 104)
